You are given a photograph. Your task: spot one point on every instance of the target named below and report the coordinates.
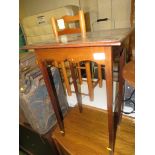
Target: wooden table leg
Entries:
(78, 95)
(89, 81)
(121, 83)
(52, 93)
(109, 88)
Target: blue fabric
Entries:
(37, 106)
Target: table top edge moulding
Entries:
(112, 37)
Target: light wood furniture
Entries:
(68, 19)
(86, 134)
(81, 29)
(97, 47)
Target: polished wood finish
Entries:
(109, 84)
(125, 138)
(53, 95)
(129, 73)
(76, 49)
(72, 54)
(121, 83)
(87, 134)
(113, 37)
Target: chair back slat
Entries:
(69, 19)
(69, 31)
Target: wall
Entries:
(32, 7)
(22, 9)
(90, 6)
(104, 7)
(121, 12)
(118, 11)
(37, 28)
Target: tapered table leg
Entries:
(78, 95)
(109, 88)
(52, 93)
(121, 83)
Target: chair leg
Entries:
(66, 79)
(78, 95)
(79, 73)
(100, 75)
(89, 81)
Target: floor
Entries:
(85, 133)
(100, 100)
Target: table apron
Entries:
(73, 54)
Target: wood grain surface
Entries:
(87, 133)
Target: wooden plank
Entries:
(69, 31)
(82, 24)
(87, 133)
(68, 19)
(113, 37)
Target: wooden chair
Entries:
(81, 29)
